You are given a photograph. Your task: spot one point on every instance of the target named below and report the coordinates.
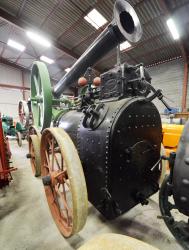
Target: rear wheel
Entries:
(64, 181)
(34, 151)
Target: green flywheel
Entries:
(41, 96)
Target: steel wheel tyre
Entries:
(41, 96)
(19, 139)
(35, 157)
(64, 181)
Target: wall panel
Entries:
(168, 77)
(9, 98)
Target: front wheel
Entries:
(64, 181)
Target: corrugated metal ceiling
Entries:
(62, 21)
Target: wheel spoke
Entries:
(60, 174)
(57, 161)
(52, 149)
(47, 157)
(67, 183)
(68, 210)
(171, 206)
(65, 208)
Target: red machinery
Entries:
(5, 155)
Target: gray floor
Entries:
(26, 223)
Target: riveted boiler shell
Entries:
(114, 178)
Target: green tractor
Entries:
(14, 129)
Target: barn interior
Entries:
(94, 109)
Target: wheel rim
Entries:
(66, 196)
(41, 96)
(23, 113)
(167, 207)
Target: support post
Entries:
(23, 85)
(185, 87)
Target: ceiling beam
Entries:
(14, 65)
(138, 45)
(20, 67)
(79, 20)
(91, 35)
(168, 14)
(60, 2)
(97, 32)
(41, 25)
(24, 26)
(21, 8)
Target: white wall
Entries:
(168, 77)
(9, 98)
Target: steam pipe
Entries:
(125, 26)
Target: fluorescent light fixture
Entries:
(38, 39)
(46, 59)
(67, 70)
(16, 45)
(95, 19)
(173, 29)
(125, 45)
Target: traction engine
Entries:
(103, 146)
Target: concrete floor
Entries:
(26, 222)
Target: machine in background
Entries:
(14, 129)
(171, 137)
